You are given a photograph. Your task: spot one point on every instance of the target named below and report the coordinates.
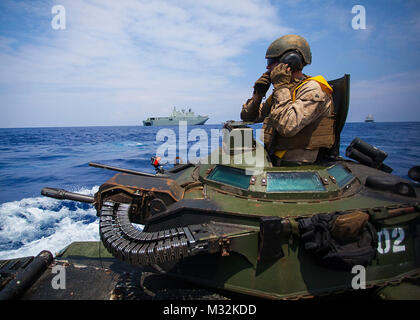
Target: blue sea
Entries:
(33, 158)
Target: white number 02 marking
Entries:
(397, 234)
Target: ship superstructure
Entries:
(189, 116)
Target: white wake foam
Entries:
(31, 225)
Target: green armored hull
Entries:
(214, 232)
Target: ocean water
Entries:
(33, 158)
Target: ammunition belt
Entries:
(131, 245)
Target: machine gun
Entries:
(67, 195)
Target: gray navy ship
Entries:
(369, 118)
(175, 118)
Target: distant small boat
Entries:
(369, 118)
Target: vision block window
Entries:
(293, 181)
(232, 176)
(341, 175)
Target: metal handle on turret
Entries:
(66, 195)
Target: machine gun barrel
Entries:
(66, 195)
(139, 173)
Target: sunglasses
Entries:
(270, 61)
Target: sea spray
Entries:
(31, 225)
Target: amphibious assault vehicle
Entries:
(287, 232)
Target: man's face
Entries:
(274, 63)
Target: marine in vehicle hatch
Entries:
(298, 116)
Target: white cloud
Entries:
(142, 57)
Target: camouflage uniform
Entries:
(284, 118)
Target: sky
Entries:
(119, 62)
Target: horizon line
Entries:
(131, 125)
